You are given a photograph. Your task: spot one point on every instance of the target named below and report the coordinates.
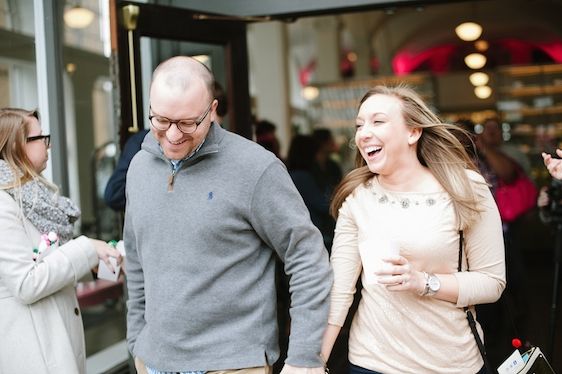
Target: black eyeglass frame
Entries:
(177, 122)
(46, 139)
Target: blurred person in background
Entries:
(266, 136)
(502, 164)
(303, 166)
(327, 169)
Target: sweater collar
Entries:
(210, 144)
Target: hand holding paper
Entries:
(104, 272)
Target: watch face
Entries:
(434, 283)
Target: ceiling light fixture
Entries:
(310, 92)
(468, 31)
(482, 92)
(481, 45)
(475, 60)
(479, 78)
(78, 17)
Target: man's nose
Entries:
(173, 133)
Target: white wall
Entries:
(269, 78)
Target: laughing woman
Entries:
(414, 189)
(40, 263)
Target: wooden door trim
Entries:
(182, 24)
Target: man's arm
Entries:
(114, 194)
(135, 285)
(282, 220)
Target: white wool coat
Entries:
(40, 321)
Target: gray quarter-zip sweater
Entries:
(200, 259)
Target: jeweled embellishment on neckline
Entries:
(405, 203)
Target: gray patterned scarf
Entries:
(44, 208)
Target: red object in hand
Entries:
(516, 343)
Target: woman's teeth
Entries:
(372, 150)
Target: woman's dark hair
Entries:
(302, 153)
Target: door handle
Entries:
(130, 18)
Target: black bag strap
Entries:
(470, 317)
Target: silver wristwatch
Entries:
(432, 284)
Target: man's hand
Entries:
(554, 165)
(288, 369)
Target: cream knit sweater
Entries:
(400, 332)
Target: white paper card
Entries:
(103, 269)
(105, 273)
(513, 364)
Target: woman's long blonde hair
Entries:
(14, 129)
(437, 148)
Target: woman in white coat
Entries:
(40, 264)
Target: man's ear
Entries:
(213, 110)
(414, 135)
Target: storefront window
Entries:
(89, 127)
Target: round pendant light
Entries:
(479, 79)
(468, 31)
(475, 60)
(482, 92)
(310, 93)
(481, 45)
(78, 17)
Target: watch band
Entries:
(426, 288)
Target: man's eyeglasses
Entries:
(187, 126)
(46, 139)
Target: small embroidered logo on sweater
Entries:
(210, 196)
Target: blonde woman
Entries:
(412, 192)
(40, 263)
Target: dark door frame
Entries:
(183, 25)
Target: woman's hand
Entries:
(554, 165)
(105, 251)
(543, 199)
(398, 275)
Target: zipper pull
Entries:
(171, 181)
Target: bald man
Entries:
(207, 213)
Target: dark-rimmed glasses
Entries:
(187, 126)
(46, 139)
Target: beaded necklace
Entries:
(50, 240)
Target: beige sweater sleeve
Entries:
(346, 265)
(483, 255)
